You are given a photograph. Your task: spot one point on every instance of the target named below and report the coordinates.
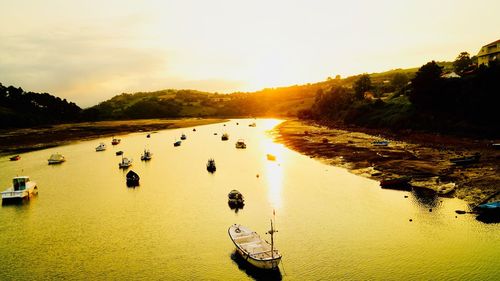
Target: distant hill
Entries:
(21, 109)
(272, 102)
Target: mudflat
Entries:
(424, 157)
(28, 139)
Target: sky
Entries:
(89, 51)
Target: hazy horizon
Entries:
(89, 52)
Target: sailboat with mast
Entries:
(254, 249)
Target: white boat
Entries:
(56, 159)
(241, 144)
(147, 155)
(21, 187)
(125, 163)
(254, 249)
(101, 147)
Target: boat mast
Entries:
(272, 231)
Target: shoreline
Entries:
(30, 139)
(424, 157)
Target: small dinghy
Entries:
(125, 163)
(381, 143)
(118, 153)
(224, 137)
(147, 155)
(132, 178)
(235, 199)
(271, 157)
(241, 144)
(56, 159)
(466, 160)
(115, 141)
(15, 158)
(177, 143)
(183, 137)
(101, 147)
(492, 207)
(396, 183)
(254, 249)
(211, 165)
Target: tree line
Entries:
(465, 103)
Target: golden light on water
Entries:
(273, 170)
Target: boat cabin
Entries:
(19, 183)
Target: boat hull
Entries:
(261, 256)
(268, 264)
(12, 195)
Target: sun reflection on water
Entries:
(273, 170)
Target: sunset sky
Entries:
(89, 51)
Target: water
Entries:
(86, 224)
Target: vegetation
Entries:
(415, 98)
(20, 109)
(465, 105)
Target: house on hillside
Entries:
(488, 53)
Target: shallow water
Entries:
(86, 224)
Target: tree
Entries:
(362, 85)
(462, 62)
(426, 84)
(399, 80)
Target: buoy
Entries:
(430, 210)
(257, 175)
(411, 220)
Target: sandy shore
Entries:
(28, 139)
(425, 157)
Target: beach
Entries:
(424, 157)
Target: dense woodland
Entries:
(21, 109)
(418, 98)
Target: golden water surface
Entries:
(85, 224)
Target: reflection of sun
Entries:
(274, 175)
(274, 172)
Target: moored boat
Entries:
(56, 159)
(381, 143)
(177, 143)
(466, 160)
(118, 153)
(271, 157)
(224, 137)
(147, 155)
(252, 125)
(446, 188)
(241, 144)
(21, 188)
(211, 165)
(101, 147)
(183, 137)
(396, 183)
(115, 141)
(132, 178)
(235, 199)
(125, 163)
(491, 207)
(15, 158)
(253, 248)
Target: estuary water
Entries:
(85, 224)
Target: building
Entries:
(489, 53)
